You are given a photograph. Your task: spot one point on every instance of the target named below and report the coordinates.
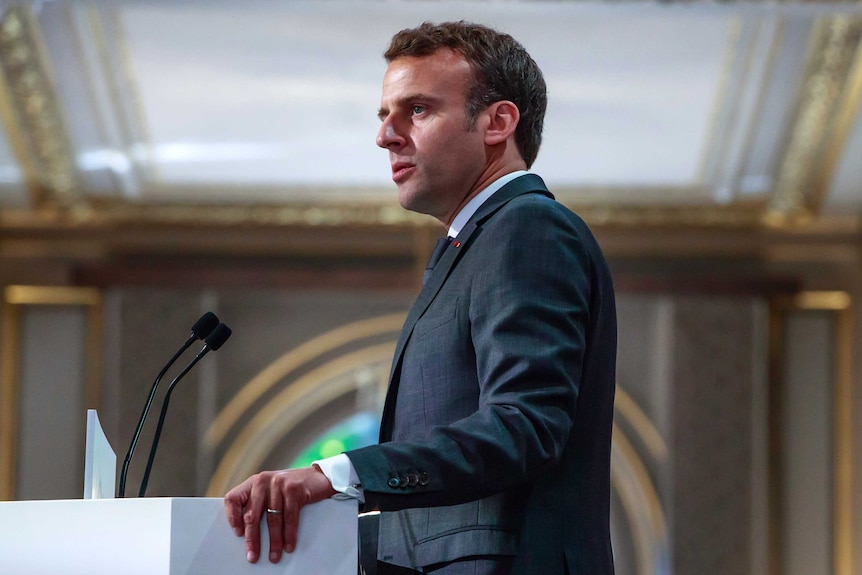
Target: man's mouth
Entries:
(400, 171)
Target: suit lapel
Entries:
(529, 183)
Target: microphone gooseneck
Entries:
(211, 343)
(202, 329)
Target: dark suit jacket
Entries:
(496, 431)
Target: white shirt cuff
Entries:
(340, 472)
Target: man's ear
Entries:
(503, 118)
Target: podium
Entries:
(164, 536)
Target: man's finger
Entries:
(254, 508)
(234, 501)
(274, 522)
(291, 521)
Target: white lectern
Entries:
(163, 536)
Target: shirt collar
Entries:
(474, 204)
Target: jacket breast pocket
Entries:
(436, 317)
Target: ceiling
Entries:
(712, 114)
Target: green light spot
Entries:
(331, 447)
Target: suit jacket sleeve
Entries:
(524, 284)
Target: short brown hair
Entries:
(502, 69)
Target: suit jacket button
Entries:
(394, 482)
(424, 479)
(403, 482)
(412, 480)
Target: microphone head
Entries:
(205, 325)
(218, 336)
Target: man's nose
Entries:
(388, 136)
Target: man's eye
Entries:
(418, 110)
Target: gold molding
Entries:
(33, 113)
(51, 295)
(842, 124)
(828, 100)
(822, 300)
(843, 442)
(14, 297)
(324, 214)
(9, 401)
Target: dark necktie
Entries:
(441, 246)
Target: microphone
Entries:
(202, 328)
(211, 343)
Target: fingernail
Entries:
(250, 557)
(273, 557)
(288, 548)
(239, 532)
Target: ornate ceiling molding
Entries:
(829, 96)
(342, 213)
(828, 100)
(31, 112)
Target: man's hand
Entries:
(279, 494)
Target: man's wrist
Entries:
(342, 476)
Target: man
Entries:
(494, 449)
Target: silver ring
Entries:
(273, 511)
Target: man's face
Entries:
(436, 161)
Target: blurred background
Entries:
(161, 159)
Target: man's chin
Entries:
(409, 201)
(421, 204)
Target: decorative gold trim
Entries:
(372, 213)
(822, 300)
(14, 297)
(14, 130)
(51, 295)
(289, 362)
(9, 401)
(843, 504)
(305, 213)
(15, 135)
(822, 122)
(842, 125)
(40, 135)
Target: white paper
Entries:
(100, 461)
